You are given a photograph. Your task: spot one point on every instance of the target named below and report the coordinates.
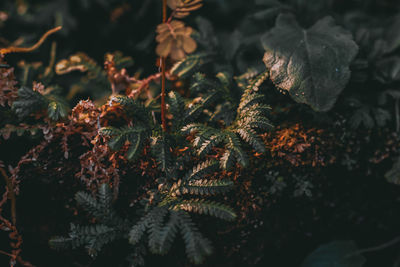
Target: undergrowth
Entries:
(289, 90)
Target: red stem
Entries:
(163, 108)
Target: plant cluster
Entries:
(240, 117)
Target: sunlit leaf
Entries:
(313, 64)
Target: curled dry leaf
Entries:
(174, 40)
(182, 8)
(79, 61)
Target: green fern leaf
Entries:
(136, 136)
(227, 160)
(233, 144)
(201, 169)
(155, 228)
(205, 187)
(105, 198)
(161, 150)
(28, 102)
(189, 64)
(197, 247)
(56, 111)
(138, 230)
(206, 207)
(251, 137)
(168, 233)
(60, 242)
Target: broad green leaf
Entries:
(335, 254)
(313, 64)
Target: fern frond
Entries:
(133, 108)
(176, 107)
(227, 160)
(204, 134)
(99, 208)
(193, 113)
(123, 100)
(197, 246)
(210, 98)
(138, 230)
(202, 206)
(201, 169)
(196, 110)
(208, 144)
(200, 83)
(93, 237)
(249, 101)
(109, 131)
(28, 102)
(261, 123)
(155, 228)
(255, 83)
(105, 197)
(233, 144)
(136, 137)
(137, 142)
(204, 187)
(60, 242)
(206, 137)
(252, 111)
(168, 233)
(193, 127)
(57, 109)
(189, 64)
(160, 148)
(251, 137)
(89, 204)
(242, 80)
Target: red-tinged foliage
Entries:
(119, 79)
(300, 146)
(8, 89)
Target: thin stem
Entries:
(164, 11)
(11, 195)
(164, 124)
(14, 49)
(376, 248)
(163, 108)
(6, 253)
(380, 247)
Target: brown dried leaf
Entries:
(174, 40)
(79, 61)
